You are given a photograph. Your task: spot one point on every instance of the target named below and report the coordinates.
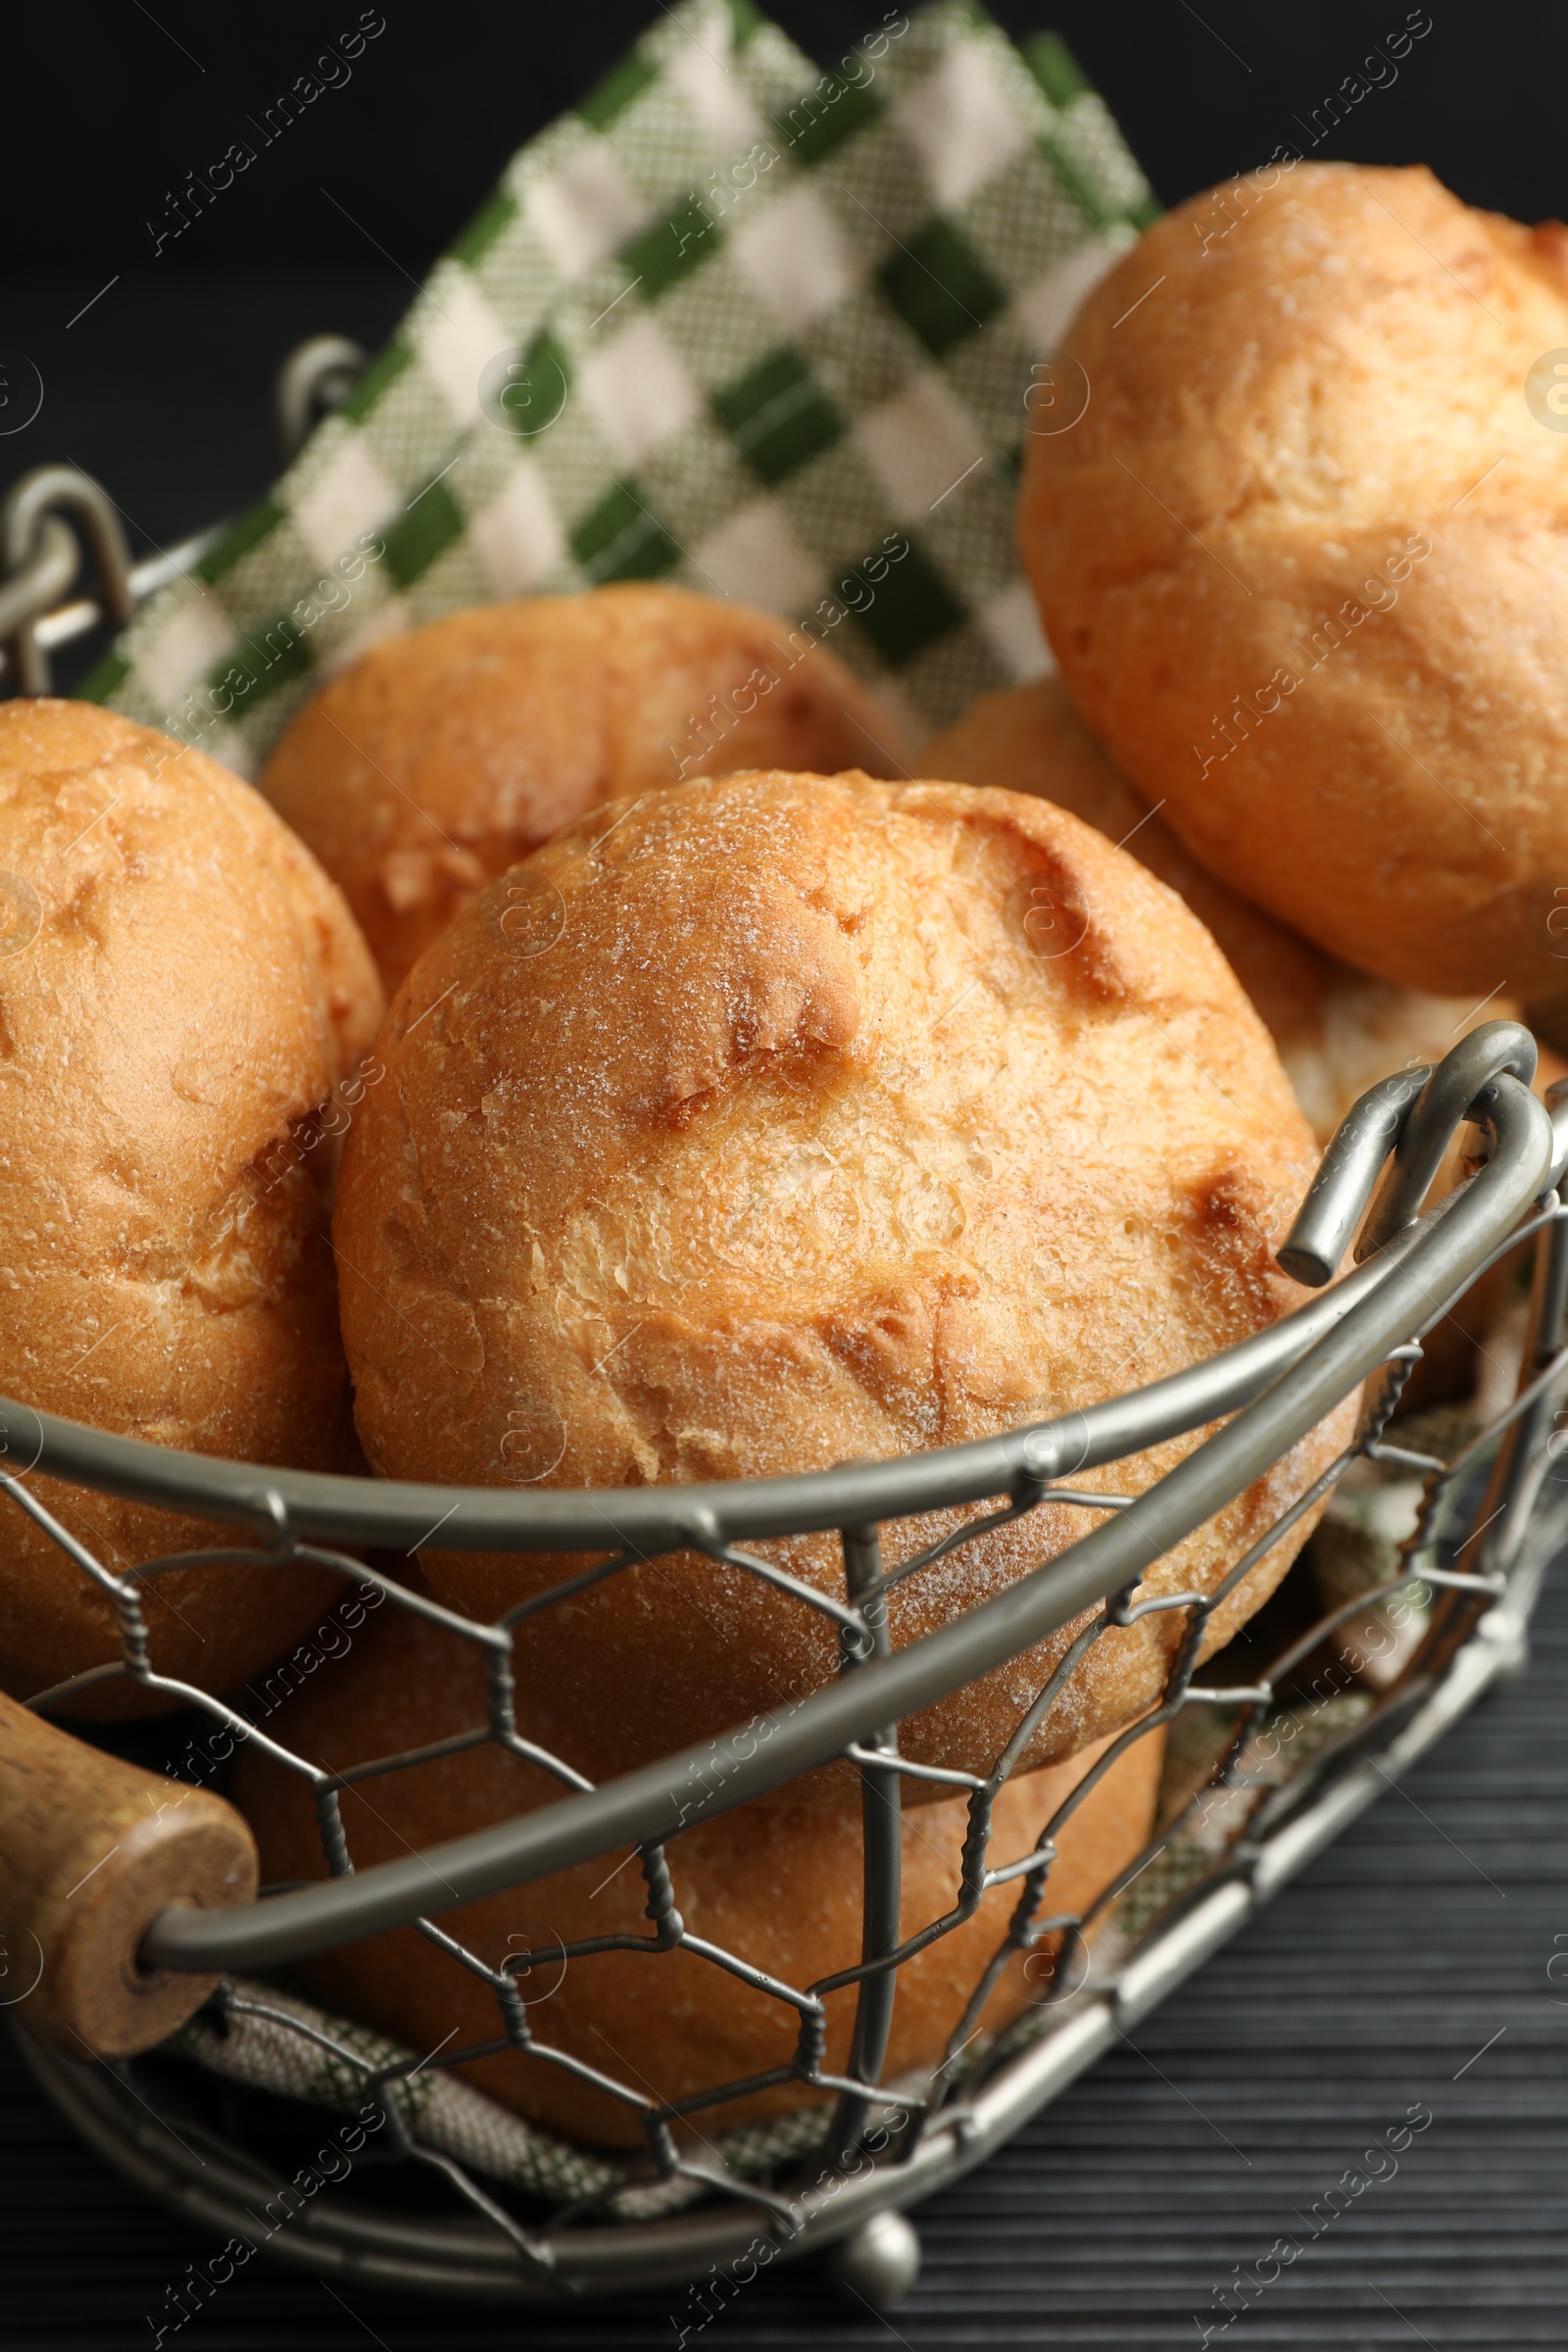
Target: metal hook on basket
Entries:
(1451, 1095)
(1346, 1173)
(1411, 1115)
(1557, 1112)
(316, 378)
(37, 583)
(34, 561)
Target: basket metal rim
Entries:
(394, 1514)
(275, 1501)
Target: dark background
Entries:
(1375, 1980)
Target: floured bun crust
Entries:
(1303, 562)
(773, 1121)
(1337, 1030)
(180, 992)
(439, 759)
(780, 1887)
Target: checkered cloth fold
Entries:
(734, 322)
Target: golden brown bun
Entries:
(194, 988)
(441, 758)
(1337, 1030)
(780, 1886)
(828, 1118)
(1299, 410)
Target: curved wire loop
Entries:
(26, 531)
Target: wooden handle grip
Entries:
(91, 1849)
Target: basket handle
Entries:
(91, 1849)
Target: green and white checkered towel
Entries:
(733, 322)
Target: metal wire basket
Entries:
(1487, 1522)
(1480, 1546)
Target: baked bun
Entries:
(780, 1886)
(1337, 1030)
(1303, 561)
(181, 989)
(767, 1122)
(439, 759)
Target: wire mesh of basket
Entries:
(1480, 1538)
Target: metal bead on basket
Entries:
(548, 2218)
